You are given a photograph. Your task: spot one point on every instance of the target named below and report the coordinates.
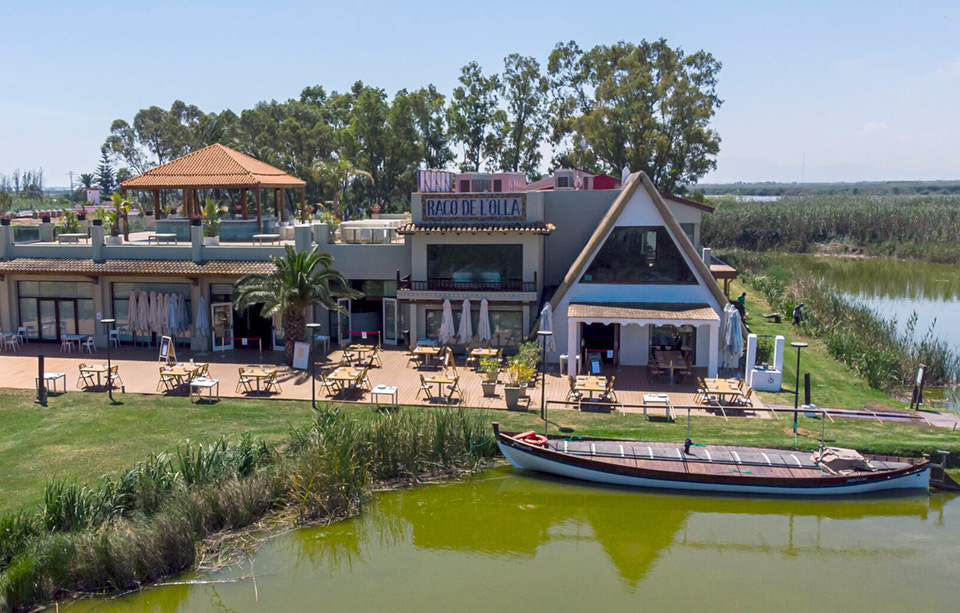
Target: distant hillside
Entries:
(812, 189)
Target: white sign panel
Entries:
(496, 207)
(301, 355)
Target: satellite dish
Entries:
(626, 174)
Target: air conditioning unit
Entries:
(563, 179)
(481, 183)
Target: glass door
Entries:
(344, 321)
(49, 330)
(391, 321)
(221, 316)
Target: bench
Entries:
(260, 238)
(156, 238)
(70, 238)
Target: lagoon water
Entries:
(510, 540)
(896, 289)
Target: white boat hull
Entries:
(523, 459)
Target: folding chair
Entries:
(375, 357)
(608, 393)
(114, 376)
(346, 358)
(426, 388)
(573, 393)
(85, 377)
(454, 388)
(244, 382)
(413, 358)
(271, 383)
(169, 382)
(327, 384)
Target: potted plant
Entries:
(489, 372)
(518, 374)
(69, 224)
(211, 223)
(529, 354)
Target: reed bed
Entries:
(854, 334)
(151, 521)
(916, 227)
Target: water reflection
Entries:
(508, 532)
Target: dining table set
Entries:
(345, 378)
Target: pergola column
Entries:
(186, 203)
(303, 205)
(276, 203)
(258, 192)
(156, 204)
(714, 355)
(243, 202)
(573, 345)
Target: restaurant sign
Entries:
(495, 207)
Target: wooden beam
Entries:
(303, 205)
(186, 203)
(243, 202)
(276, 203)
(156, 204)
(259, 213)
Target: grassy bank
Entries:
(149, 519)
(916, 227)
(853, 334)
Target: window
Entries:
(634, 255)
(465, 185)
(668, 336)
(50, 308)
(563, 181)
(477, 264)
(498, 185)
(688, 229)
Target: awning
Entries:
(177, 268)
(476, 228)
(657, 311)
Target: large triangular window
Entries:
(634, 255)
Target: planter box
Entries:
(512, 396)
(210, 241)
(489, 389)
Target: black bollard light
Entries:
(313, 327)
(109, 325)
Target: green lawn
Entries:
(832, 383)
(82, 437)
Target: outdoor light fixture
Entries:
(313, 364)
(544, 336)
(796, 390)
(109, 324)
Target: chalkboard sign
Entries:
(168, 352)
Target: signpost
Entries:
(168, 351)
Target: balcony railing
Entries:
(450, 285)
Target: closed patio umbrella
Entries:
(483, 326)
(546, 325)
(143, 311)
(173, 313)
(132, 313)
(165, 312)
(731, 340)
(152, 316)
(446, 324)
(184, 318)
(465, 331)
(202, 321)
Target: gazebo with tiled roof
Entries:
(216, 167)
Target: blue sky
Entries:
(837, 91)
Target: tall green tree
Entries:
(647, 106)
(429, 115)
(156, 136)
(303, 279)
(520, 130)
(106, 180)
(336, 174)
(471, 114)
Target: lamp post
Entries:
(109, 325)
(313, 364)
(796, 389)
(544, 337)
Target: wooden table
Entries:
(270, 238)
(589, 384)
(727, 390)
(672, 360)
(151, 238)
(182, 371)
(259, 374)
(481, 353)
(428, 353)
(98, 370)
(344, 377)
(440, 381)
(70, 238)
(360, 350)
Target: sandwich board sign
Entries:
(301, 354)
(168, 351)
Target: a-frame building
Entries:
(639, 284)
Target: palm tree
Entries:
(303, 279)
(338, 172)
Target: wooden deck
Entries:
(139, 371)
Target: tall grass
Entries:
(149, 521)
(918, 227)
(884, 357)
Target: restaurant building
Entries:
(621, 265)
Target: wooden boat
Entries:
(712, 468)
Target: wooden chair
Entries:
(327, 384)
(346, 358)
(204, 370)
(425, 388)
(85, 377)
(375, 357)
(169, 382)
(471, 359)
(363, 379)
(413, 358)
(245, 383)
(272, 384)
(573, 393)
(454, 388)
(744, 399)
(114, 375)
(608, 393)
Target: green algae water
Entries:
(511, 540)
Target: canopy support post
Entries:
(259, 212)
(156, 204)
(243, 202)
(276, 203)
(303, 205)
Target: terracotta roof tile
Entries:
(179, 268)
(458, 228)
(213, 166)
(643, 310)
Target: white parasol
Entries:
(465, 331)
(173, 313)
(446, 324)
(731, 338)
(184, 317)
(132, 322)
(152, 317)
(202, 322)
(165, 313)
(483, 326)
(546, 325)
(143, 311)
